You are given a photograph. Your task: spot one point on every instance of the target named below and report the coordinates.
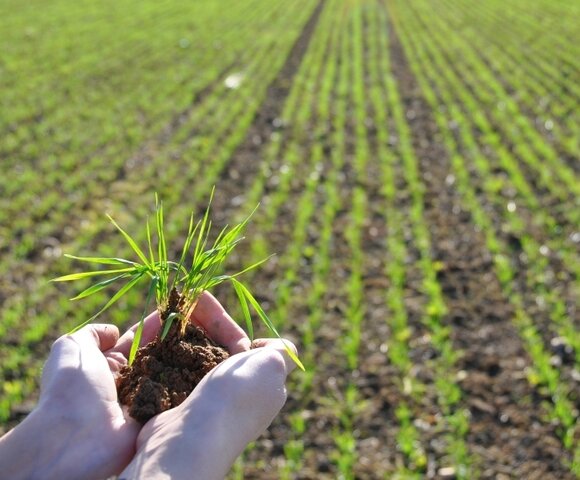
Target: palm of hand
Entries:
(78, 388)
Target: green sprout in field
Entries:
(197, 270)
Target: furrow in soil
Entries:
(504, 409)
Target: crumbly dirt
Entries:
(166, 371)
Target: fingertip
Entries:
(151, 326)
(274, 370)
(280, 345)
(108, 335)
(277, 362)
(242, 345)
(289, 363)
(206, 310)
(220, 326)
(104, 335)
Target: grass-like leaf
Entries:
(245, 309)
(81, 275)
(204, 273)
(130, 241)
(168, 322)
(250, 298)
(97, 287)
(128, 286)
(149, 242)
(102, 260)
(162, 270)
(139, 331)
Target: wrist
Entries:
(48, 444)
(187, 439)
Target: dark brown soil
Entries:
(504, 408)
(166, 371)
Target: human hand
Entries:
(231, 406)
(78, 429)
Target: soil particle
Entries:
(166, 372)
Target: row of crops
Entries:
(521, 190)
(417, 174)
(366, 157)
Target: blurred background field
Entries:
(417, 165)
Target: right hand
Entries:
(231, 407)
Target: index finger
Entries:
(208, 314)
(220, 327)
(151, 326)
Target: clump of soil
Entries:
(165, 372)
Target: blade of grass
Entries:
(128, 286)
(139, 332)
(221, 234)
(186, 246)
(149, 242)
(245, 309)
(202, 231)
(102, 260)
(99, 286)
(167, 325)
(161, 245)
(131, 242)
(251, 267)
(250, 298)
(81, 275)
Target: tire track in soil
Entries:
(507, 430)
(237, 178)
(244, 164)
(377, 378)
(319, 404)
(389, 381)
(321, 418)
(374, 377)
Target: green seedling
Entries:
(197, 270)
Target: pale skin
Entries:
(79, 430)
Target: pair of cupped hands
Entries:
(79, 430)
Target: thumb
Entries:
(282, 345)
(102, 335)
(67, 351)
(251, 388)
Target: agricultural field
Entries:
(417, 166)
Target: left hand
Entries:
(78, 429)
